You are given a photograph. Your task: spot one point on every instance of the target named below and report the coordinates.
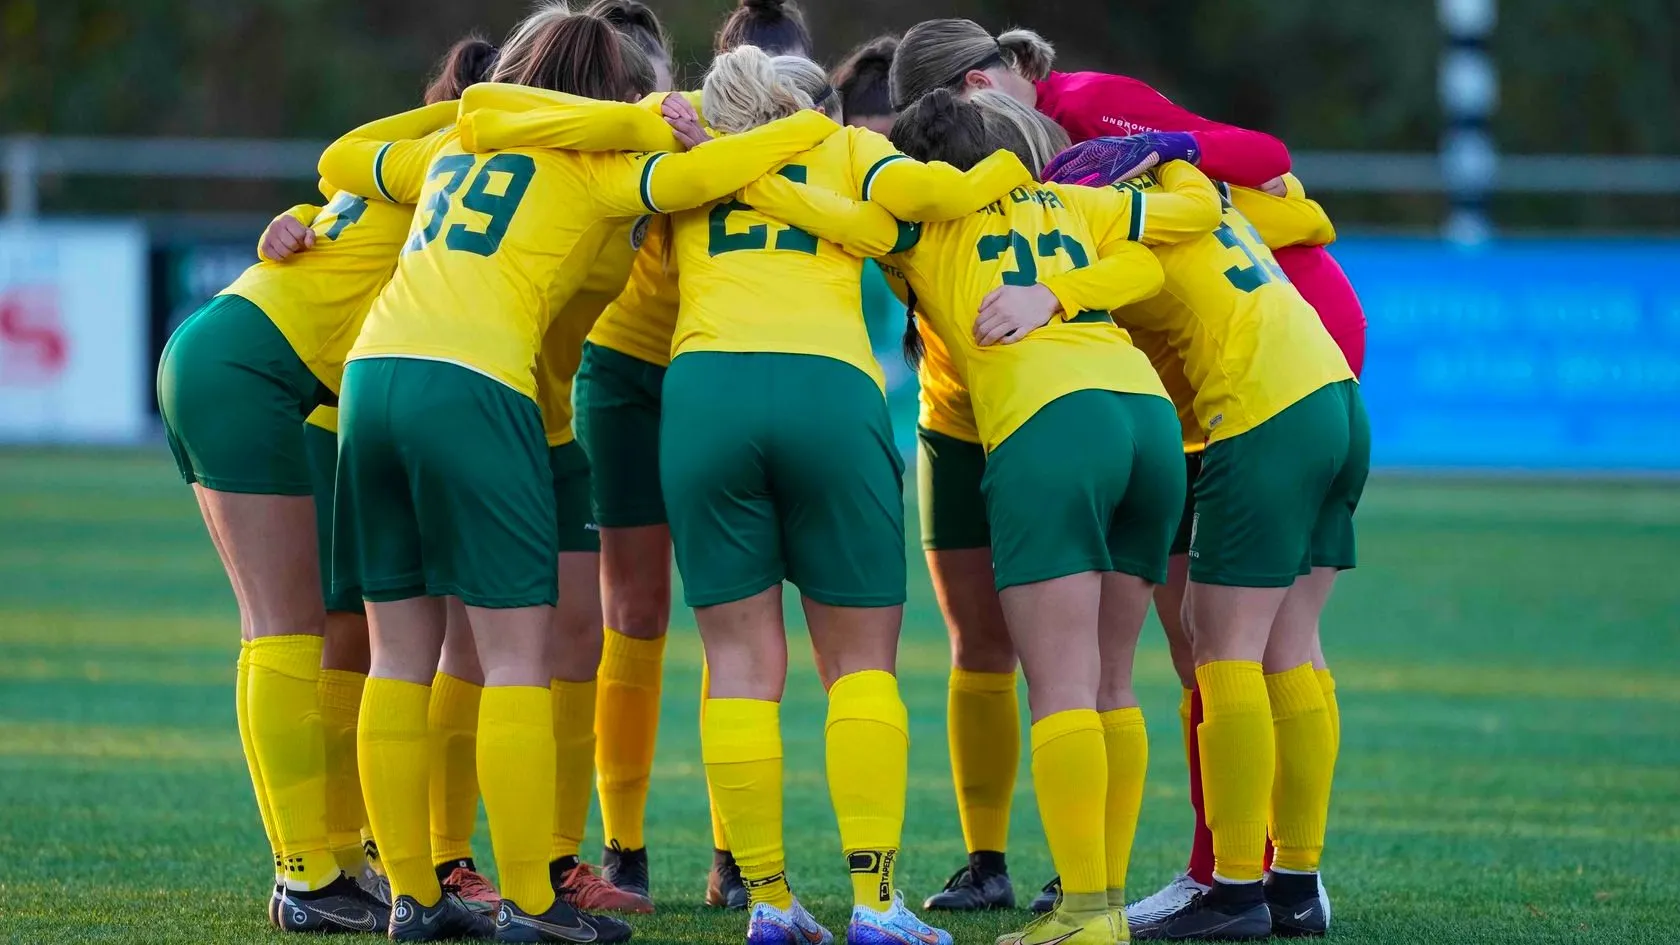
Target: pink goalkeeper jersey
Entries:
(1094, 104)
(1320, 280)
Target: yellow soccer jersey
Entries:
(945, 406)
(1290, 220)
(502, 240)
(324, 417)
(514, 116)
(562, 348)
(641, 321)
(1047, 234)
(750, 283)
(319, 298)
(1250, 345)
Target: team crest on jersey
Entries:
(639, 231)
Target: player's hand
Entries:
(1010, 312)
(1102, 161)
(679, 113)
(284, 238)
(1276, 187)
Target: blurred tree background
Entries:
(1585, 76)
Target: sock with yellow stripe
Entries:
(720, 840)
(340, 693)
(1327, 683)
(452, 716)
(1070, 776)
(1238, 758)
(1306, 761)
(242, 714)
(984, 728)
(516, 771)
(627, 710)
(286, 729)
(741, 742)
(1127, 745)
(868, 761)
(392, 747)
(573, 708)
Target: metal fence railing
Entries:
(28, 159)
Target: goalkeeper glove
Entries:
(1103, 161)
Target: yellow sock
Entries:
(573, 708)
(286, 731)
(720, 840)
(452, 717)
(516, 773)
(242, 714)
(983, 724)
(1238, 757)
(1327, 684)
(741, 741)
(1127, 745)
(370, 849)
(868, 755)
(1306, 760)
(393, 751)
(340, 693)
(1185, 698)
(1070, 776)
(627, 716)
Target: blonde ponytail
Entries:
(744, 90)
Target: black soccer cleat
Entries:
(1227, 912)
(449, 919)
(724, 888)
(274, 898)
(982, 884)
(626, 869)
(561, 923)
(341, 906)
(1298, 905)
(1047, 897)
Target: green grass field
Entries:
(1508, 661)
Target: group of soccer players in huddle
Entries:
(573, 322)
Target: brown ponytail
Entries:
(467, 62)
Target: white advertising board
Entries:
(73, 332)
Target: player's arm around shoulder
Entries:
(387, 159)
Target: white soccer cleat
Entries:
(1169, 899)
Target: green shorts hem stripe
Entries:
(715, 596)
(249, 487)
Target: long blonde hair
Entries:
(937, 54)
(1045, 139)
(743, 89)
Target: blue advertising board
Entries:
(1560, 355)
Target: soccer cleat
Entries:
(1228, 911)
(451, 918)
(896, 926)
(1164, 902)
(561, 923)
(1048, 896)
(971, 889)
(374, 884)
(582, 888)
(341, 906)
(772, 926)
(1056, 927)
(274, 904)
(626, 869)
(724, 888)
(474, 889)
(1298, 904)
